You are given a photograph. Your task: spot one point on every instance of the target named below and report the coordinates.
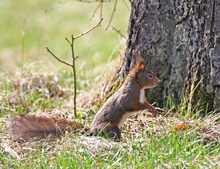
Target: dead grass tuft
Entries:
(208, 128)
(44, 83)
(136, 127)
(106, 85)
(23, 89)
(22, 149)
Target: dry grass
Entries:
(139, 129)
(106, 84)
(136, 128)
(48, 85)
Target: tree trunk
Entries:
(180, 41)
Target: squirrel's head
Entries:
(144, 77)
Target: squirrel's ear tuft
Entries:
(138, 57)
(141, 66)
(135, 52)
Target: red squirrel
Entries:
(108, 121)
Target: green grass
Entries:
(34, 82)
(173, 150)
(48, 29)
(147, 142)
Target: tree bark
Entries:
(180, 40)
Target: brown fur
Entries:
(109, 119)
(40, 126)
(125, 101)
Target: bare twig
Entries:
(118, 31)
(71, 43)
(74, 70)
(74, 58)
(52, 7)
(101, 7)
(68, 41)
(93, 15)
(72, 49)
(126, 4)
(58, 58)
(86, 32)
(113, 12)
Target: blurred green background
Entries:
(28, 27)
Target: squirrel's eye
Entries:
(150, 76)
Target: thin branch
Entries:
(74, 73)
(113, 12)
(52, 7)
(118, 31)
(93, 15)
(75, 58)
(101, 7)
(68, 41)
(126, 5)
(71, 43)
(58, 58)
(86, 32)
(72, 51)
(64, 1)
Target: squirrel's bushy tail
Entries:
(40, 126)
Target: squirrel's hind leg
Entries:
(108, 131)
